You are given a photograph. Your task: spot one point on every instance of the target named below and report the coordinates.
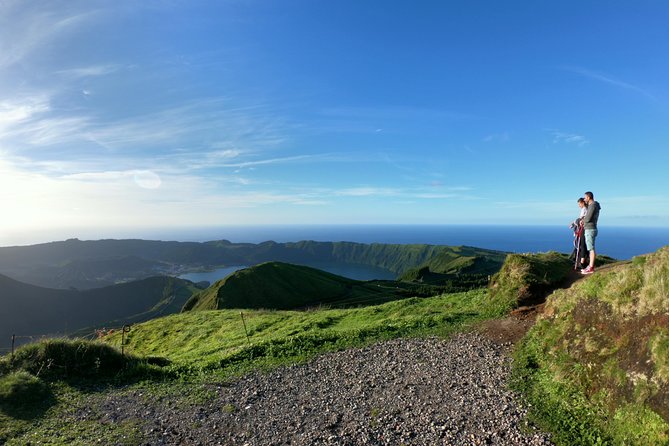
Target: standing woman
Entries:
(580, 250)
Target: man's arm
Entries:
(589, 214)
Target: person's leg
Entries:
(590, 236)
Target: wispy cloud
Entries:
(146, 179)
(201, 120)
(25, 27)
(14, 112)
(90, 71)
(31, 121)
(430, 193)
(366, 191)
(607, 79)
(394, 113)
(381, 120)
(283, 160)
(497, 137)
(568, 138)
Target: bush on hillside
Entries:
(61, 358)
(526, 279)
(22, 388)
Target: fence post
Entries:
(126, 329)
(245, 330)
(12, 357)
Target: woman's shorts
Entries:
(590, 236)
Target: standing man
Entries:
(590, 224)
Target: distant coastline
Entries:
(615, 241)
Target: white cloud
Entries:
(14, 112)
(29, 120)
(434, 196)
(569, 138)
(91, 71)
(25, 27)
(146, 179)
(367, 191)
(279, 160)
(410, 193)
(499, 137)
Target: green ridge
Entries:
(283, 286)
(36, 311)
(87, 264)
(275, 285)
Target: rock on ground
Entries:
(405, 391)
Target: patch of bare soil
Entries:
(511, 329)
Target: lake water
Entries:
(357, 272)
(618, 242)
(211, 276)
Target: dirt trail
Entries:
(513, 328)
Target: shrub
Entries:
(526, 279)
(22, 388)
(69, 358)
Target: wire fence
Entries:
(96, 334)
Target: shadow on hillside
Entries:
(539, 294)
(29, 403)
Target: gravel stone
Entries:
(404, 391)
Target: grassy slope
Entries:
(207, 337)
(273, 285)
(284, 286)
(213, 345)
(596, 364)
(400, 258)
(526, 278)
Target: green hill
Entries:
(29, 310)
(283, 286)
(596, 364)
(272, 285)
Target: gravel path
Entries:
(405, 391)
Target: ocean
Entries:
(618, 242)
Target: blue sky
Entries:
(165, 114)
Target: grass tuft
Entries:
(21, 388)
(526, 279)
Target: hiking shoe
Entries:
(588, 270)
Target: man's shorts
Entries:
(590, 236)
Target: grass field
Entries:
(203, 347)
(206, 339)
